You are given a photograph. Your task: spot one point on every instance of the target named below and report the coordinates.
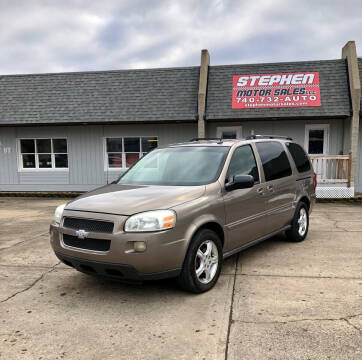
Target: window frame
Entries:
(123, 153)
(255, 159)
(326, 129)
(36, 154)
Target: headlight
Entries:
(151, 221)
(58, 213)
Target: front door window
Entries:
(316, 139)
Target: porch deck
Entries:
(333, 176)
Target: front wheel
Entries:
(300, 224)
(203, 262)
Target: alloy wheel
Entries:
(206, 261)
(302, 222)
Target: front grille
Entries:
(88, 225)
(87, 243)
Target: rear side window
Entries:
(274, 159)
(299, 156)
(243, 163)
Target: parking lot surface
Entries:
(276, 300)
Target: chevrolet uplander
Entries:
(182, 209)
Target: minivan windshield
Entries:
(184, 166)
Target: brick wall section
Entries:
(333, 77)
(108, 96)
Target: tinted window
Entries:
(243, 163)
(274, 159)
(299, 156)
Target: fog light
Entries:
(139, 246)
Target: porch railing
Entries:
(332, 168)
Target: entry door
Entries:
(229, 132)
(245, 208)
(317, 143)
(280, 185)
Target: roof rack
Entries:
(201, 139)
(256, 137)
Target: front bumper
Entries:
(113, 271)
(164, 254)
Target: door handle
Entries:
(270, 188)
(260, 191)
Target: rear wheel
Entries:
(300, 224)
(203, 262)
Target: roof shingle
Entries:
(104, 96)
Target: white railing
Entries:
(332, 168)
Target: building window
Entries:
(123, 152)
(228, 132)
(43, 154)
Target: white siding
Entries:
(292, 128)
(86, 155)
(44, 177)
(8, 157)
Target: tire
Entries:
(209, 265)
(300, 224)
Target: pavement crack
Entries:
(302, 276)
(231, 309)
(345, 318)
(354, 326)
(23, 241)
(32, 284)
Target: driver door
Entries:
(244, 208)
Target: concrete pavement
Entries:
(273, 301)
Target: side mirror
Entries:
(240, 182)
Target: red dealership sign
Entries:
(276, 90)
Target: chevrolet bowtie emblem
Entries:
(82, 234)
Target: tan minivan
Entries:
(182, 209)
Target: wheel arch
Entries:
(206, 223)
(216, 227)
(305, 200)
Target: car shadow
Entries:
(98, 287)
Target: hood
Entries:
(132, 199)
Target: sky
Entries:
(85, 35)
